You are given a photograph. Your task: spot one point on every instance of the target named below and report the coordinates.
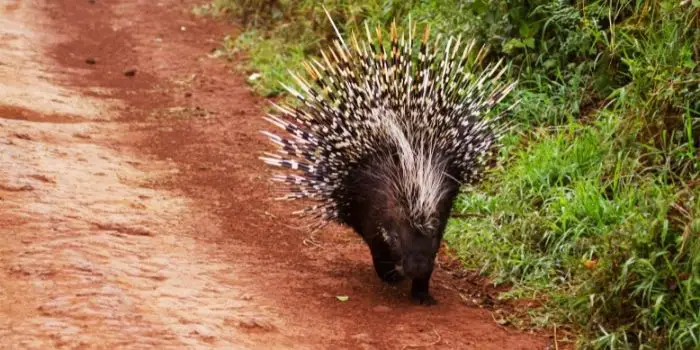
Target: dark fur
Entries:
(371, 205)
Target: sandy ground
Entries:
(134, 212)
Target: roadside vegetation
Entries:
(595, 205)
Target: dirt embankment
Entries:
(134, 211)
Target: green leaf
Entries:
(529, 42)
(512, 44)
(525, 30)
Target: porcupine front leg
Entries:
(420, 291)
(384, 263)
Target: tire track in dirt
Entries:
(148, 222)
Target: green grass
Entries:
(595, 203)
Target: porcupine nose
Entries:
(418, 266)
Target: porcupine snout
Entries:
(416, 266)
(418, 258)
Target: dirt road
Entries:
(134, 212)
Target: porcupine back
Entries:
(374, 100)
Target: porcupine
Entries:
(383, 141)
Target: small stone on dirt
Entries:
(255, 324)
(188, 94)
(133, 230)
(43, 178)
(381, 308)
(204, 332)
(130, 72)
(23, 136)
(16, 188)
(90, 60)
(138, 206)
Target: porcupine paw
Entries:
(421, 294)
(423, 298)
(393, 278)
(387, 272)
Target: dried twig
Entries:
(497, 322)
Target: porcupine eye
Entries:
(428, 227)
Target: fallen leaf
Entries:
(254, 77)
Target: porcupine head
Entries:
(382, 138)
